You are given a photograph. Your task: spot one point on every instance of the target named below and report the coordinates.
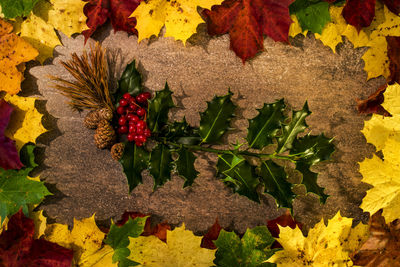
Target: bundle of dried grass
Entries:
(90, 90)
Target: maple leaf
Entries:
(328, 245)
(359, 13)
(284, 220)
(9, 158)
(211, 235)
(19, 248)
(381, 248)
(247, 21)
(312, 15)
(16, 8)
(181, 249)
(393, 45)
(180, 17)
(14, 52)
(118, 11)
(26, 121)
(373, 104)
(393, 5)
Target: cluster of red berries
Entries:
(132, 117)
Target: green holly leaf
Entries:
(185, 166)
(182, 133)
(159, 107)
(310, 180)
(130, 82)
(237, 173)
(134, 160)
(16, 190)
(275, 181)
(216, 119)
(17, 8)
(290, 131)
(313, 15)
(118, 239)
(160, 165)
(250, 251)
(265, 125)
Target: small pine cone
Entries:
(105, 135)
(117, 150)
(92, 119)
(105, 114)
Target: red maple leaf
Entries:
(373, 104)
(18, 248)
(359, 13)
(393, 5)
(118, 11)
(285, 220)
(393, 46)
(211, 235)
(247, 20)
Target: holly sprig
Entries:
(177, 143)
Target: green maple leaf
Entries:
(134, 160)
(159, 107)
(313, 15)
(274, 178)
(130, 82)
(16, 190)
(237, 173)
(216, 118)
(265, 125)
(118, 239)
(250, 251)
(160, 165)
(17, 8)
(185, 166)
(290, 130)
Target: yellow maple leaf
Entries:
(85, 238)
(26, 121)
(324, 246)
(182, 249)
(180, 17)
(100, 258)
(14, 52)
(295, 27)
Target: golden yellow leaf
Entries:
(182, 249)
(40, 223)
(332, 33)
(324, 246)
(14, 52)
(26, 122)
(101, 258)
(179, 17)
(295, 27)
(3, 227)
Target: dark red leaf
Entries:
(118, 11)
(247, 20)
(359, 13)
(18, 248)
(211, 235)
(285, 220)
(9, 158)
(393, 46)
(373, 104)
(393, 5)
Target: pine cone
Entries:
(105, 135)
(117, 151)
(92, 119)
(105, 114)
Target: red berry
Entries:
(130, 116)
(122, 120)
(123, 102)
(121, 110)
(134, 119)
(132, 128)
(133, 107)
(147, 133)
(146, 95)
(141, 124)
(141, 138)
(138, 143)
(140, 98)
(131, 137)
(127, 96)
(139, 130)
(123, 129)
(141, 112)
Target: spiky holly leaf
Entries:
(182, 133)
(250, 251)
(185, 166)
(134, 160)
(275, 182)
(130, 82)
(159, 107)
(160, 165)
(237, 173)
(16, 8)
(264, 127)
(359, 13)
(118, 239)
(247, 21)
(310, 180)
(17, 191)
(313, 15)
(290, 131)
(215, 120)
